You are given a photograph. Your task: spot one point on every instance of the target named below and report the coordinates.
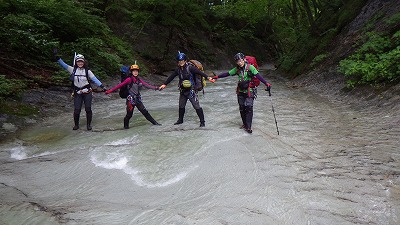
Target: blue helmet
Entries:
(181, 56)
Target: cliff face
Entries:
(326, 80)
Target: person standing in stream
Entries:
(187, 92)
(80, 75)
(246, 93)
(134, 98)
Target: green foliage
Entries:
(375, 61)
(25, 35)
(11, 87)
(319, 58)
(394, 20)
(30, 29)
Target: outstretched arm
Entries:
(126, 82)
(65, 66)
(222, 75)
(169, 79)
(147, 85)
(195, 70)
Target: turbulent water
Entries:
(330, 164)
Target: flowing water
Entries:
(330, 164)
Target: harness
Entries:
(83, 90)
(246, 84)
(134, 97)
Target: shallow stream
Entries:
(330, 164)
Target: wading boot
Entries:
(181, 114)
(243, 116)
(249, 119)
(200, 113)
(76, 121)
(89, 120)
(126, 123)
(150, 118)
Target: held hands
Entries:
(211, 79)
(215, 76)
(162, 87)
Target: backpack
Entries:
(251, 60)
(124, 73)
(199, 81)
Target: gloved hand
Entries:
(108, 92)
(268, 88)
(103, 88)
(215, 77)
(56, 57)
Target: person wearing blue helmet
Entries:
(186, 73)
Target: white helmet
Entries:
(79, 57)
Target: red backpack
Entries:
(251, 60)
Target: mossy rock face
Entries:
(17, 108)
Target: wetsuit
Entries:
(82, 91)
(135, 98)
(245, 93)
(187, 72)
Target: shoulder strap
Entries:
(74, 71)
(87, 73)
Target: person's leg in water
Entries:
(196, 105)
(146, 114)
(249, 113)
(87, 98)
(242, 110)
(129, 113)
(182, 104)
(78, 101)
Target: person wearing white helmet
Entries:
(80, 75)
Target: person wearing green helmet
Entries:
(246, 92)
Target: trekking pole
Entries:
(273, 110)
